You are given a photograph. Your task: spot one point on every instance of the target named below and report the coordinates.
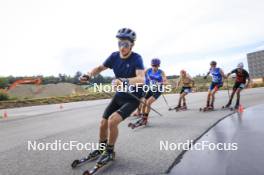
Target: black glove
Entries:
(204, 77)
(125, 82)
(85, 77)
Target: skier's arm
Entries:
(205, 77)
(232, 72)
(97, 70)
(139, 79)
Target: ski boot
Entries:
(204, 108)
(139, 122)
(237, 106)
(177, 108)
(106, 157)
(227, 106)
(210, 108)
(184, 108)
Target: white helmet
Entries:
(240, 65)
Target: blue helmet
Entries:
(155, 62)
(126, 33)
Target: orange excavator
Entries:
(36, 81)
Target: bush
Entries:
(3, 96)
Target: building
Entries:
(256, 64)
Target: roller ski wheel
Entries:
(95, 169)
(75, 163)
(130, 124)
(170, 109)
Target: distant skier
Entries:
(217, 82)
(155, 79)
(186, 83)
(242, 81)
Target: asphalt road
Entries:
(245, 131)
(137, 151)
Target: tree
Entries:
(76, 77)
(3, 82)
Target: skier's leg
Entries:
(149, 102)
(110, 109)
(103, 130)
(232, 94)
(213, 96)
(208, 98)
(127, 107)
(184, 99)
(139, 110)
(113, 123)
(238, 97)
(180, 99)
(231, 98)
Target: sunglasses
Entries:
(155, 65)
(125, 44)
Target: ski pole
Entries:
(166, 102)
(138, 99)
(135, 97)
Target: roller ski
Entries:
(105, 159)
(228, 107)
(142, 121)
(137, 115)
(92, 156)
(180, 108)
(207, 109)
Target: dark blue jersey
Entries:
(125, 68)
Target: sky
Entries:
(48, 37)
